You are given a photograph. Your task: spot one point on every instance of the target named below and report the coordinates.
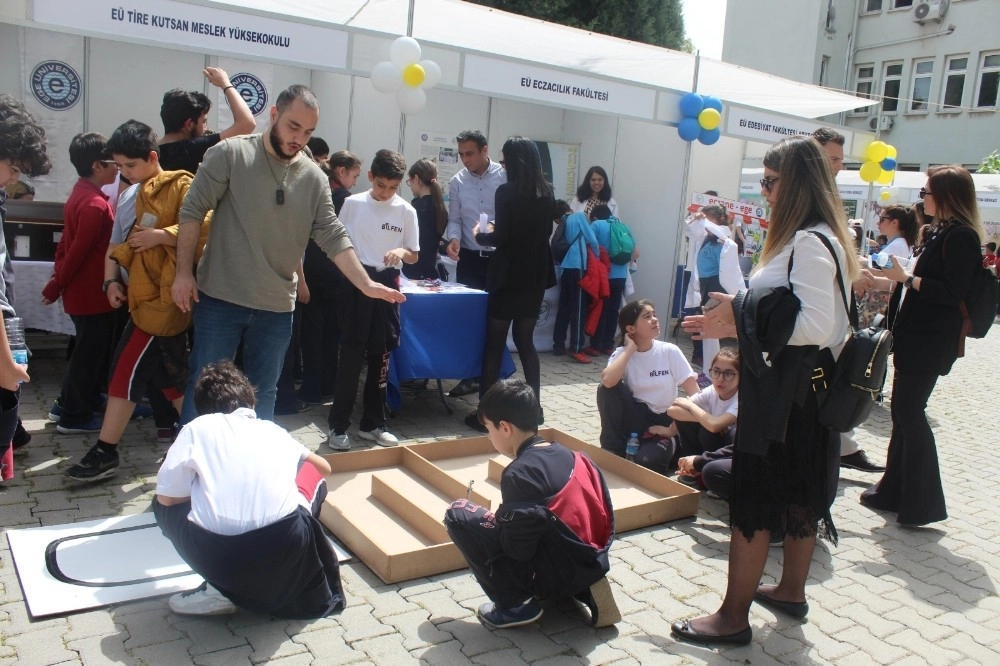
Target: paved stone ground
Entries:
(885, 595)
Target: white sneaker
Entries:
(205, 600)
(338, 442)
(380, 436)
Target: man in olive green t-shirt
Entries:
(269, 200)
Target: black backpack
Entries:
(980, 305)
(846, 388)
(560, 244)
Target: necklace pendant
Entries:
(279, 197)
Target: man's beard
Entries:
(277, 146)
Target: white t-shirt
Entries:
(654, 375)
(898, 247)
(709, 400)
(239, 472)
(376, 227)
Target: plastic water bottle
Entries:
(883, 259)
(15, 338)
(632, 446)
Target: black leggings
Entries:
(524, 341)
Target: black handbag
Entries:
(846, 389)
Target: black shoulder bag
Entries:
(846, 390)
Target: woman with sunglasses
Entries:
(899, 224)
(785, 464)
(928, 335)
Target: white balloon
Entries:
(411, 100)
(432, 73)
(404, 51)
(386, 77)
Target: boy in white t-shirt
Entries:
(239, 498)
(383, 228)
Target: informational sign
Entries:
(183, 24)
(561, 167)
(747, 212)
(550, 86)
(442, 149)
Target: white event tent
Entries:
(124, 55)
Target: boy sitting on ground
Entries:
(239, 497)
(551, 534)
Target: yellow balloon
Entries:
(876, 152)
(890, 151)
(884, 196)
(413, 75)
(869, 171)
(709, 119)
(885, 177)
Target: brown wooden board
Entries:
(387, 504)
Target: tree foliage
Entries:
(657, 22)
(990, 163)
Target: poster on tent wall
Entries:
(254, 82)
(561, 166)
(52, 69)
(442, 149)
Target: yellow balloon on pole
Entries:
(876, 152)
(885, 177)
(869, 171)
(890, 151)
(884, 197)
(709, 119)
(413, 75)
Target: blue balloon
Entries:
(713, 103)
(708, 137)
(691, 106)
(689, 129)
(888, 164)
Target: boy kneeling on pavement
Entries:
(551, 534)
(239, 499)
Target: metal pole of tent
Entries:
(682, 212)
(402, 116)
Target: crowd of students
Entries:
(337, 258)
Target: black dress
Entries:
(521, 268)
(426, 266)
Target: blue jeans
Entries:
(218, 327)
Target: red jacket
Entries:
(79, 266)
(595, 284)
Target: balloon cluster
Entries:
(880, 163)
(702, 115)
(406, 75)
(888, 196)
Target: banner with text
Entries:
(549, 86)
(183, 24)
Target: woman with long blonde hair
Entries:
(785, 464)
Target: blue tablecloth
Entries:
(443, 335)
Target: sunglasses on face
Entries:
(924, 192)
(766, 183)
(884, 219)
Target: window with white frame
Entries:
(864, 84)
(872, 6)
(824, 70)
(989, 81)
(923, 74)
(954, 82)
(892, 77)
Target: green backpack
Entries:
(622, 244)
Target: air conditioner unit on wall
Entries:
(930, 11)
(882, 123)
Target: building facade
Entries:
(934, 64)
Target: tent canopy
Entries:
(474, 28)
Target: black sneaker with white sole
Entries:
(97, 465)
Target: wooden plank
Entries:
(495, 470)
